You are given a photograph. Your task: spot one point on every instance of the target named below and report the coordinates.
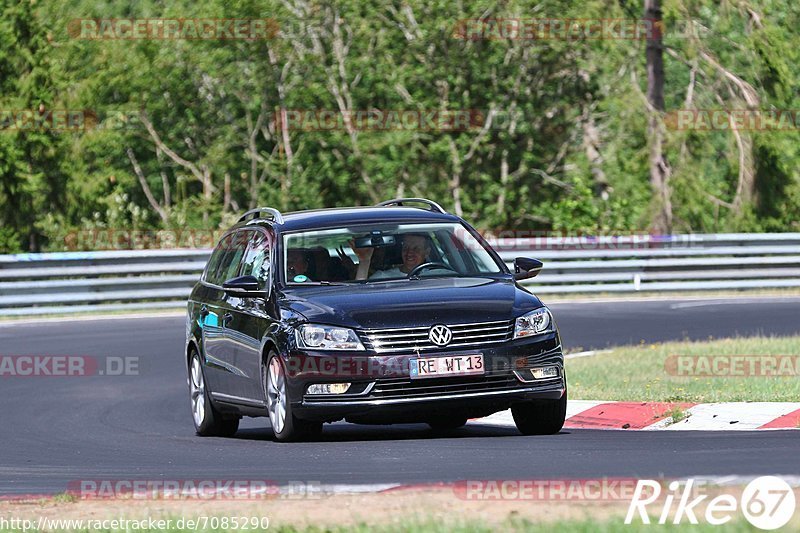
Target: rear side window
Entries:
(258, 259)
(226, 258)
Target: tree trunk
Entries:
(591, 146)
(659, 166)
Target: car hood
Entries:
(406, 303)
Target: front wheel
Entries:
(540, 417)
(208, 422)
(285, 425)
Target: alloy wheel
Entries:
(276, 395)
(198, 391)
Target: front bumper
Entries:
(385, 393)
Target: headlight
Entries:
(317, 337)
(533, 323)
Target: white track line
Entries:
(739, 416)
(722, 299)
(589, 353)
(732, 416)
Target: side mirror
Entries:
(243, 286)
(525, 267)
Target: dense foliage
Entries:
(187, 138)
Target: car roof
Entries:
(326, 218)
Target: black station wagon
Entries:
(397, 313)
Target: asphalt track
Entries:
(57, 430)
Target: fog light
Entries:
(545, 372)
(328, 388)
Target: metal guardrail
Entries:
(661, 263)
(69, 282)
(32, 284)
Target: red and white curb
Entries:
(741, 416)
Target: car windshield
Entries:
(384, 252)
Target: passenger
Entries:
(415, 251)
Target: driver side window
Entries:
(258, 259)
(227, 257)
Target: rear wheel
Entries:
(285, 425)
(208, 422)
(540, 417)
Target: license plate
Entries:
(451, 365)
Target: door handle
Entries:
(226, 319)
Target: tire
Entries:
(445, 423)
(208, 422)
(285, 425)
(540, 417)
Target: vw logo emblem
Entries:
(440, 335)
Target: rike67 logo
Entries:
(767, 502)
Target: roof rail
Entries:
(276, 215)
(400, 201)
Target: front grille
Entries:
(416, 339)
(407, 388)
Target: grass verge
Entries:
(676, 414)
(419, 510)
(648, 372)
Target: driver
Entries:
(296, 264)
(415, 251)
